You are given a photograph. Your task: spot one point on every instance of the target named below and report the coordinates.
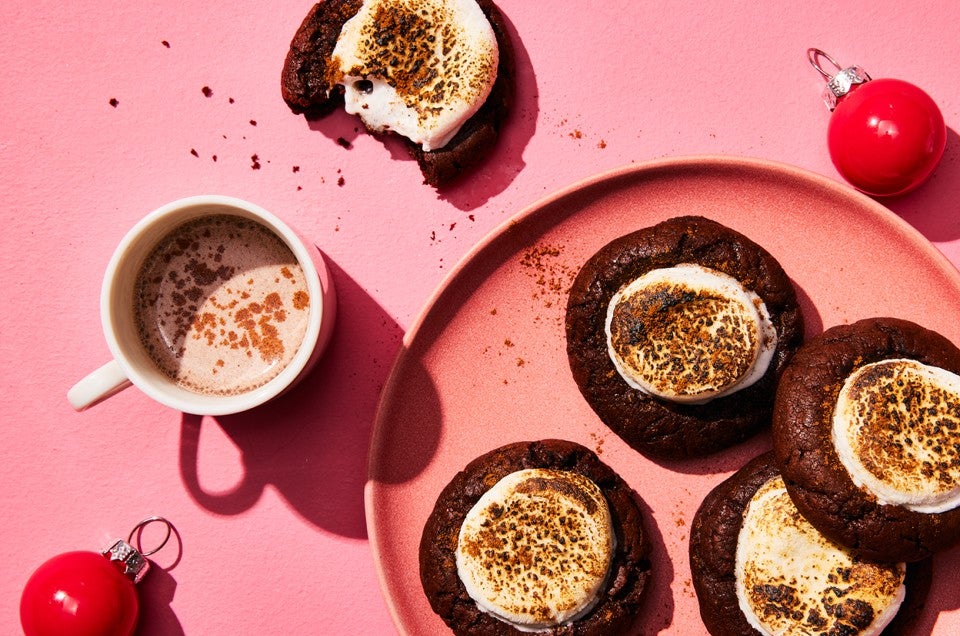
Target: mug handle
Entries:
(106, 381)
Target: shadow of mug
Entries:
(311, 444)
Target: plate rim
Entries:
(700, 161)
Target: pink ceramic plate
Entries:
(485, 363)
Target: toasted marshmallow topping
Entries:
(536, 548)
(791, 580)
(896, 428)
(689, 334)
(420, 68)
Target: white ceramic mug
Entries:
(132, 364)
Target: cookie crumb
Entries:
(602, 144)
(340, 182)
(599, 440)
(165, 43)
(344, 143)
(256, 162)
(552, 276)
(114, 102)
(253, 122)
(194, 152)
(207, 91)
(296, 168)
(230, 100)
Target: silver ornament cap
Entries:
(129, 560)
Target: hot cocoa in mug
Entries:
(221, 305)
(211, 305)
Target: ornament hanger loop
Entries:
(839, 83)
(814, 56)
(138, 531)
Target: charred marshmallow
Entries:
(791, 580)
(689, 334)
(420, 68)
(896, 428)
(535, 550)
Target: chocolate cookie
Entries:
(618, 598)
(816, 477)
(653, 425)
(304, 81)
(307, 88)
(713, 548)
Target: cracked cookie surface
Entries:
(630, 568)
(713, 548)
(817, 480)
(654, 426)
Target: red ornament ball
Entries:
(79, 594)
(886, 136)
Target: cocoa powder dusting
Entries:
(204, 290)
(553, 278)
(301, 300)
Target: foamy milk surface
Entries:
(222, 305)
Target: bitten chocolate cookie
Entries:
(443, 77)
(677, 335)
(866, 431)
(537, 535)
(757, 563)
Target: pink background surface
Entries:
(270, 503)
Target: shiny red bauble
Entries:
(886, 136)
(79, 594)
